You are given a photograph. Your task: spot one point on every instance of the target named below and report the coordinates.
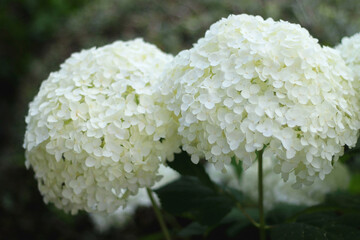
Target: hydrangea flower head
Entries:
(350, 51)
(251, 83)
(98, 130)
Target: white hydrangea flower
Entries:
(98, 129)
(251, 83)
(277, 191)
(350, 51)
(124, 214)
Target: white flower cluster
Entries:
(124, 214)
(277, 191)
(98, 129)
(350, 51)
(251, 83)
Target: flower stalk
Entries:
(158, 215)
(261, 196)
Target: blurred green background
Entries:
(36, 36)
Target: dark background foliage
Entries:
(36, 36)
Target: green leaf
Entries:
(338, 218)
(190, 197)
(297, 231)
(343, 201)
(183, 165)
(236, 220)
(340, 202)
(282, 212)
(193, 229)
(305, 231)
(153, 236)
(351, 219)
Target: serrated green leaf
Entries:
(188, 196)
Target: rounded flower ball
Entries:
(98, 130)
(350, 51)
(252, 84)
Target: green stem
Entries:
(239, 206)
(158, 215)
(261, 196)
